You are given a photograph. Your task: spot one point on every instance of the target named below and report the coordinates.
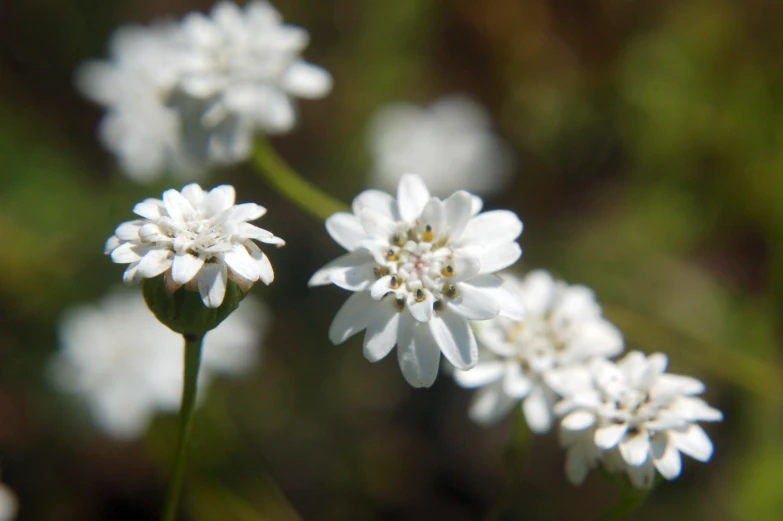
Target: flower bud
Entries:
(183, 311)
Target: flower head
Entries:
(450, 144)
(128, 366)
(196, 239)
(187, 96)
(631, 417)
(562, 327)
(420, 268)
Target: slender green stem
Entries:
(192, 363)
(514, 462)
(280, 176)
(630, 499)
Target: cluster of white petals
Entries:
(450, 144)
(184, 97)
(631, 417)
(196, 239)
(563, 327)
(128, 366)
(420, 269)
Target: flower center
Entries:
(419, 266)
(198, 236)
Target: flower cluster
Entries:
(196, 239)
(630, 417)
(420, 269)
(183, 97)
(127, 365)
(449, 144)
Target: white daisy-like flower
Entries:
(195, 238)
(128, 366)
(450, 144)
(420, 268)
(184, 97)
(563, 327)
(9, 504)
(631, 417)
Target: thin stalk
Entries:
(192, 362)
(280, 176)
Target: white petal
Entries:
(154, 263)
(131, 274)
(212, 280)
(490, 405)
(694, 409)
(499, 257)
(377, 200)
(352, 271)
(126, 253)
(194, 194)
(537, 410)
(241, 263)
(178, 208)
(381, 287)
(474, 303)
(251, 231)
(376, 225)
(352, 317)
(465, 267)
(266, 273)
(417, 353)
(578, 420)
(184, 267)
(150, 209)
(412, 196)
(128, 231)
(510, 303)
(673, 384)
(457, 211)
(422, 311)
(641, 477)
(516, 383)
(577, 465)
(219, 199)
(635, 448)
(306, 80)
(610, 435)
(595, 338)
(346, 230)
(432, 215)
(666, 457)
(111, 244)
(247, 212)
(693, 441)
(453, 335)
(484, 373)
(494, 228)
(381, 335)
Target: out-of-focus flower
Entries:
(186, 97)
(632, 417)
(9, 505)
(195, 238)
(562, 327)
(449, 144)
(128, 366)
(420, 268)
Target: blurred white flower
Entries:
(128, 366)
(184, 97)
(631, 417)
(9, 505)
(450, 144)
(562, 327)
(196, 238)
(420, 268)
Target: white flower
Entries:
(189, 96)
(196, 238)
(450, 144)
(9, 504)
(128, 366)
(632, 417)
(562, 327)
(420, 268)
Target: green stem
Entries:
(514, 462)
(192, 363)
(629, 501)
(280, 176)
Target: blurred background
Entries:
(648, 138)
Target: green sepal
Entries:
(183, 311)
